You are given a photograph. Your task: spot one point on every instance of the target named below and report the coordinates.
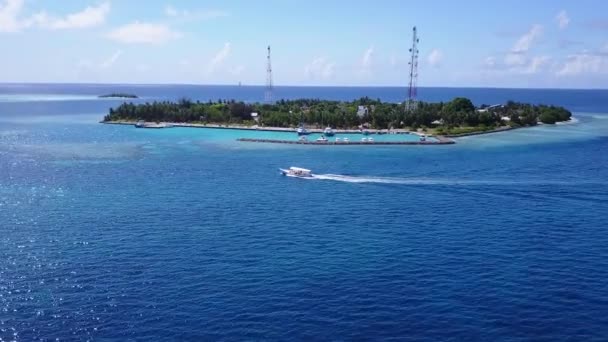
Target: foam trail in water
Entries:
(436, 181)
(364, 179)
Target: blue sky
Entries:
(556, 44)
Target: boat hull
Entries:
(287, 173)
(153, 125)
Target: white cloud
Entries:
(110, 61)
(517, 56)
(9, 16)
(89, 17)
(319, 68)
(515, 59)
(194, 15)
(219, 58)
(12, 21)
(584, 63)
(536, 64)
(562, 19)
(524, 43)
(435, 58)
(521, 64)
(143, 33)
(364, 68)
(367, 59)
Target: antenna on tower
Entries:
(412, 102)
(268, 93)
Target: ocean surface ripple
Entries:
(113, 233)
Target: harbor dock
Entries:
(440, 141)
(435, 139)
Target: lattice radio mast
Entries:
(412, 102)
(269, 86)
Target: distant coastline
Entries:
(119, 96)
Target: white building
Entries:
(361, 111)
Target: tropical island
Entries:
(119, 96)
(453, 118)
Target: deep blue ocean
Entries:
(112, 233)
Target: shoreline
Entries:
(274, 129)
(442, 139)
(496, 130)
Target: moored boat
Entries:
(328, 132)
(302, 131)
(143, 124)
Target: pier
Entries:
(440, 141)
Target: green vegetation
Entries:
(119, 95)
(464, 130)
(455, 117)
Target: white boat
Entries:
(328, 131)
(302, 131)
(364, 139)
(370, 139)
(143, 124)
(303, 138)
(321, 139)
(337, 139)
(346, 140)
(297, 172)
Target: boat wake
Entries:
(363, 179)
(400, 180)
(437, 181)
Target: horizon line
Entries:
(288, 85)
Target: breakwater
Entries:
(440, 141)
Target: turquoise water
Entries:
(115, 233)
(215, 134)
(44, 97)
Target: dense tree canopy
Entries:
(446, 117)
